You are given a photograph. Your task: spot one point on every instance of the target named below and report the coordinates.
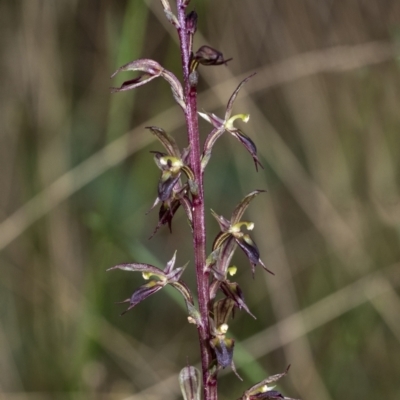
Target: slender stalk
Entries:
(199, 231)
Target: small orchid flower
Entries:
(150, 70)
(226, 124)
(157, 279)
(261, 391)
(232, 235)
(171, 192)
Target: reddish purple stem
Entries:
(199, 230)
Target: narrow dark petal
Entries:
(233, 291)
(248, 144)
(250, 249)
(151, 69)
(132, 81)
(165, 188)
(166, 213)
(273, 394)
(251, 252)
(224, 355)
(269, 395)
(223, 350)
(221, 353)
(143, 292)
(249, 241)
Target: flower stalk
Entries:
(198, 210)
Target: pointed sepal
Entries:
(147, 270)
(233, 291)
(223, 223)
(242, 206)
(249, 247)
(223, 310)
(143, 293)
(165, 214)
(151, 69)
(173, 274)
(262, 391)
(234, 95)
(166, 140)
(170, 264)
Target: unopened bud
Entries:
(191, 22)
(190, 383)
(206, 55)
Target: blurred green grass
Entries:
(77, 178)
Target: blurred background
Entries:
(76, 179)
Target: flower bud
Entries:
(191, 22)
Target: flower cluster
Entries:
(181, 185)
